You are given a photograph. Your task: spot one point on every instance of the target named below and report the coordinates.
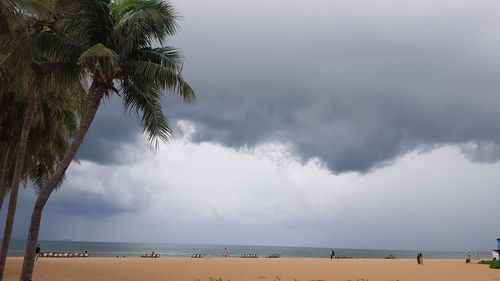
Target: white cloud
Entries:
(207, 193)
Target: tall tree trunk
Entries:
(44, 195)
(4, 175)
(16, 178)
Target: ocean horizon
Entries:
(177, 250)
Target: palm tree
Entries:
(32, 97)
(11, 110)
(119, 58)
(4, 171)
(52, 127)
(26, 64)
(53, 124)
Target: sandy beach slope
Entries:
(236, 269)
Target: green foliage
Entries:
(58, 59)
(64, 46)
(29, 62)
(117, 39)
(493, 264)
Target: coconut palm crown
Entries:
(120, 57)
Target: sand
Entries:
(237, 269)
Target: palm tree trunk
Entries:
(46, 191)
(4, 174)
(16, 178)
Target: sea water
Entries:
(112, 250)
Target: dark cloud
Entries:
(112, 127)
(352, 83)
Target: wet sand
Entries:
(237, 269)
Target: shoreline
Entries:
(240, 258)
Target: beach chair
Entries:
(273, 256)
(250, 256)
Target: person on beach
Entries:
(332, 254)
(37, 252)
(225, 252)
(420, 259)
(467, 260)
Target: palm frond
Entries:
(14, 13)
(100, 58)
(162, 77)
(140, 23)
(158, 17)
(56, 47)
(88, 20)
(145, 101)
(168, 57)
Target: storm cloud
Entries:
(354, 83)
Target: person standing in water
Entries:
(332, 254)
(225, 252)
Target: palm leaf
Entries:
(100, 58)
(146, 101)
(168, 57)
(140, 23)
(88, 20)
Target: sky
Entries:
(342, 123)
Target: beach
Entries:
(238, 269)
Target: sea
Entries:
(167, 250)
